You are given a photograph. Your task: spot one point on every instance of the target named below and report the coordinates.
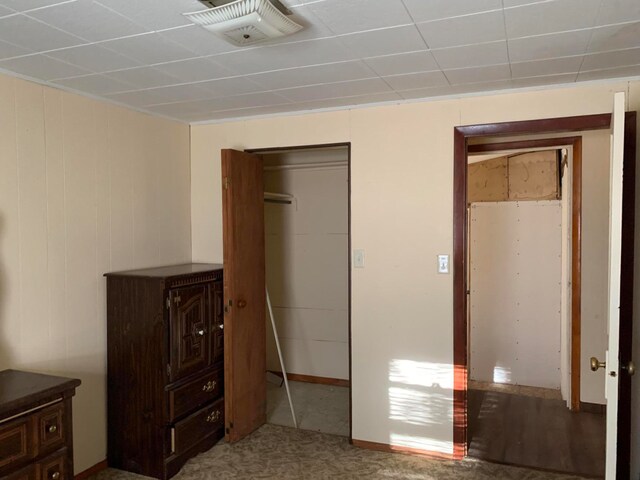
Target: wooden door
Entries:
(189, 342)
(620, 293)
(244, 293)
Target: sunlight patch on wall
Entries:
(426, 374)
(422, 443)
(501, 375)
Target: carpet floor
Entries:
(285, 453)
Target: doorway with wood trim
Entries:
(303, 207)
(463, 139)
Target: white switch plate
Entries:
(443, 263)
(358, 258)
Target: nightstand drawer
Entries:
(16, 443)
(198, 426)
(54, 467)
(50, 425)
(188, 397)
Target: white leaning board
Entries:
(515, 294)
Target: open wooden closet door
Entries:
(244, 293)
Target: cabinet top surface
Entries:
(169, 270)
(18, 389)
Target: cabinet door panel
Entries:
(189, 330)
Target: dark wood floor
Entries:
(535, 432)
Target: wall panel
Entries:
(72, 173)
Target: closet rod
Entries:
(304, 166)
(281, 198)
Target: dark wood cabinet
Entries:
(165, 371)
(35, 426)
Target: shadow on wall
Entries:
(5, 347)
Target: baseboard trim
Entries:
(295, 377)
(383, 447)
(593, 408)
(97, 468)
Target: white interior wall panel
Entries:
(515, 300)
(307, 266)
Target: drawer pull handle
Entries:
(55, 475)
(209, 386)
(221, 326)
(201, 332)
(52, 429)
(213, 416)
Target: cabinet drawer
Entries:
(188, 397)
(54, 467)
(28, 473)
(16, 443)
(50, 425)
(194, 428)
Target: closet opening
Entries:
(307, 271)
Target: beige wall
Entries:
(402, 191)
(85, 188)
(307, 264)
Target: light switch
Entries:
(443, 263)
(358, 258)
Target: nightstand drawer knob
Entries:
(209, 386)
(55, 475)
(52, 429)
(214, 416)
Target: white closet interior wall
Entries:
(306, 246)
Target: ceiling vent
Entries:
(245, 22)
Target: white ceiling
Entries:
(145, 54)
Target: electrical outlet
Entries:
(358, 258)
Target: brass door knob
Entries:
(52, 429)
(55, 475)
(630, 368)
(596, 364)
(242, 303)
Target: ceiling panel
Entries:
(94, 84)
(154, 14)
(494, 53)
(463, 76)
(8, 50)
(335, 90)
(349, 16)
(144, 77)
(416, 80)
(230, 86)
(149, 48)
(146, 54)
(43, 67)
(546, 67)
(94, 57)
(618, 11)
(88, 20)
(403, 63)
(615, 37)
(288, 55)
(600, 61)
(423, 11)
(23, 5)
(194, 70)
(451, 32)
(29, 33)
(549, 46)
(384, 42)
(549, 17)
(296, 77)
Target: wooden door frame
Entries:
(576, 244)
(347, 145)
(461, 136)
